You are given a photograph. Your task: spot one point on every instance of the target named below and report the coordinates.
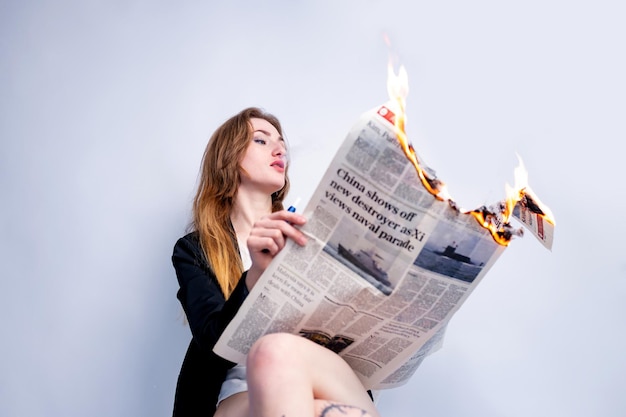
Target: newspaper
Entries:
(386, 266)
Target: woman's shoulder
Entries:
(190, 238)
(189, 246)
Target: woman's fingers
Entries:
(266, 243)
(271, 231)
(268, 237)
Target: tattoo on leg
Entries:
(333, 410)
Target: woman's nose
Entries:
(279, 150)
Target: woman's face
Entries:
(265, 161)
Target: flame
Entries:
(398, 90)
(498, 221)
(516, 193)
(495, 219)
(522, 192)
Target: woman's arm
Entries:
(268, 237)
(207, 310)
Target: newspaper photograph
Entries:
(387, 263)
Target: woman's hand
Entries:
(268, 237)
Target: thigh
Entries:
(234, 406)
(307, 366)
(325, 408)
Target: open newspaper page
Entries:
(386, 265)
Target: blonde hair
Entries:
(218, 184)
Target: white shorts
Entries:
(234, 383)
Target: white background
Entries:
(105, 110)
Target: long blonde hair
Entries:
(219, 181)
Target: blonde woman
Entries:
(239, 225)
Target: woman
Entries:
(239, 225)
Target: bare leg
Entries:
(288, 373)
(238, 406)
(325, 408)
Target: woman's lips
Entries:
(279, 164)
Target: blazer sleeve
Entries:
(208, 312)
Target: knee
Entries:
(272, 351)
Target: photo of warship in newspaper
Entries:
(359, 253)
(364, 262)
(456, 254)
(450, 252)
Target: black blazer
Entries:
(208, 313)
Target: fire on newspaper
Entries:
(390, 257)
(530, 211)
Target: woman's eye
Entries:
(259, 140)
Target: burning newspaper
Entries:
(390, 257)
